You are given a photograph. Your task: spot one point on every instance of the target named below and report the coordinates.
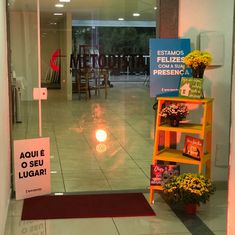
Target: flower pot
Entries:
(199, 71)
(190, 208)
(174, 122)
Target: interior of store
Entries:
(99, 80)
(117, 102)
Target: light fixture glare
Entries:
(59, 5)
(136, 14)
(101, 135)
(58, 14)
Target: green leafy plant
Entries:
(189, 188)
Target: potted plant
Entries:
(175, 112)
(190, 189)
(198, 61)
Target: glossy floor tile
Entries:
(127, 117)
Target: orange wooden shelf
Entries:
(173, 155)
(184, 128)
(203, 129)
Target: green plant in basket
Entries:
(189, 188)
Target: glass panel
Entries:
(23, 56)
(96, 70)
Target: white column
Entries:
(231, 180)
(39, 71)
(68, 53)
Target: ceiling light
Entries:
(64, 0)
(53, 23)
(155, 8)
(120, 18)
(136, 14)
(58, 14)
(59, 5)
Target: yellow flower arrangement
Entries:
(189, 188)
(197, 58)
(198, 61)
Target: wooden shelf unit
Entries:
(203, 129)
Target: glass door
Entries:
(94, 63)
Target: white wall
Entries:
(231, 195)
(68, 53)
(65, 81)
(58, 37)
(49, 44)
(213, 15)
(23, 30)
(231, 191)
(23, 33)
(4, 123)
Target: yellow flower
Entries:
(189, 188)
(197, 58)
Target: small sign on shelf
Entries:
(193, 147)
(191, 87)
(162, 173)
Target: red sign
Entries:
(53, 60)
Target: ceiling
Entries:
(90, 9)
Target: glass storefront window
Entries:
(107, 90)
(95, 64)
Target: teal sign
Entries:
(166, 65)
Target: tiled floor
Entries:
(80, 164)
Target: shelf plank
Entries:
(184, 127)
(188, 100)
(173, 155)
(156, 187)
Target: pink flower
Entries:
(174, 110)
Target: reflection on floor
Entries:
(78, 161)
(80, 164)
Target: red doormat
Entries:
(86, 206)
